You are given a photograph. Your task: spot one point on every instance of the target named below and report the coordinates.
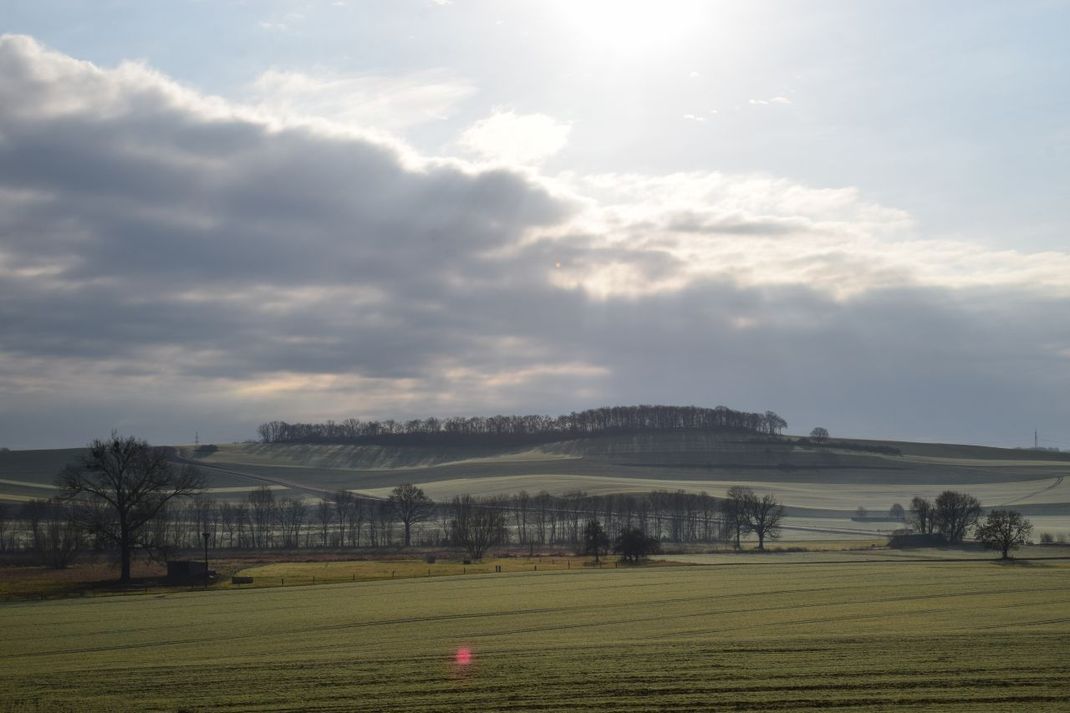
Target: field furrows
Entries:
(960, 636)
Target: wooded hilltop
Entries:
(523, 429)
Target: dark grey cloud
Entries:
(171, 263)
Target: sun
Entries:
(629, 26)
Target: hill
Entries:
(827, 480)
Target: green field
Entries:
(891, 636)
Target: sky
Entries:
(214, 214)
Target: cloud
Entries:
(515, 138)
(773, 100)
(171, 261)
(391, 103)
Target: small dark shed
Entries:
(182, 571)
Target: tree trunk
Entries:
(408, 528)
(124, 555)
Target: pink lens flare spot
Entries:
(463, 657)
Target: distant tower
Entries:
(1036, 440)
(196, 438)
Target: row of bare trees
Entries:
(58, 529)
(615, 419)
(953, 515)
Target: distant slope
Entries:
(821, 479)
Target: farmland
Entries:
(854, 635)
(821, 486)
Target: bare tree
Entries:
(1004, 530)
(344, 504)
(595, 540)
(923, 516)
(292, 514)
(735, 514)
(410, 505)
(896, 512)
(521, 501)
(242, 524)
(3, 526)
(956, 513)
(227, 520)
(476, 525)
(324, 518)
(57, 535)
(132, 481)
(764, 514)
(262, 516)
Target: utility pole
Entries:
(1036, 440)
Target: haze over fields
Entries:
(215, 214)
(821, 486)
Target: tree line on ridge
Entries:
(502, 428)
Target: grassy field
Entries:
(963, 636)
(291, 573)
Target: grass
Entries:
(363, 570)
(963, 636)
(30, 581)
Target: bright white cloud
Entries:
(390, 103)
(509, 137)
(762, 231)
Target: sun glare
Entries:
(463, 657)
(629, 26)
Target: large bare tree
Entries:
(1004, 530)
(477, 524)
(764, 514)
(125, 483)
(410, 505)
(956, 513)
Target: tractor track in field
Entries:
(293, 485)
(602, 606)
(1057, 481)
